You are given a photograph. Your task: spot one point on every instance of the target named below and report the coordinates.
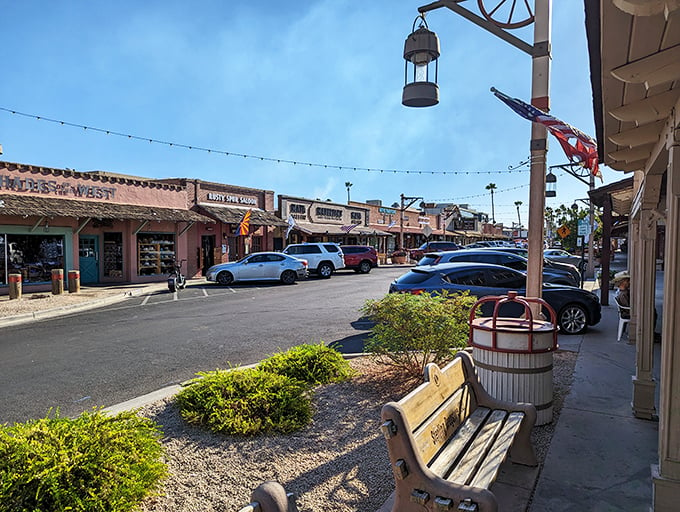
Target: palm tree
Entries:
(491, 187)
(519, 220)
(348, 185)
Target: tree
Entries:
(491, 187)
(348, 185)
(519, 219)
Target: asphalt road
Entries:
(109, 355)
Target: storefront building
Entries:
(112, 228)
(227, 205)
(323, 221)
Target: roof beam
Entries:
(641, 152)
(645, 134)
(652, 108)
(655, 69)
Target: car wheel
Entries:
(573, 319)
(288, 277)
(225, 278)
(365, 267)
(325, 270)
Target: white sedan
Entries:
(259, 266)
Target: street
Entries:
(108, 355)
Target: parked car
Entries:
(438, 245)
(360, 258)
(259, 266)
(506, 259)
(323, 258)
(572, 269)
(576, 309)
(563, 256)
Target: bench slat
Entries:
(420, 403)
(467, 467)
(436, 431)
(492, 463)
(457, 444)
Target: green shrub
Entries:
(313, 364)
(93, 462)
(413, 330)
(246, 401)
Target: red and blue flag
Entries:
(583, 150)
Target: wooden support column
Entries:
(644, 384)
(666, 476)
(633, 257)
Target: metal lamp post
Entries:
(519, 15)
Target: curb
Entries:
(23, 318)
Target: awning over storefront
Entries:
(25, 205)
(314, 228)
(234, 215)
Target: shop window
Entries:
(113, 255)
(33, 256)
(155, 253)
(257, 244)
(3, 260)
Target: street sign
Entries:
(583, 227)
(427, 230)
(563, 231)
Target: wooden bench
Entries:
(447, 439)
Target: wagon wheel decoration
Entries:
(507, 13)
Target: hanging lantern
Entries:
(550, 185)
(420, 50)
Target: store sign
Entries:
(53, 187)
(298, 211)
(226, 198)
(328, 213)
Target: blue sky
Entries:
(307, 81)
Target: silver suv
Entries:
(323, 258)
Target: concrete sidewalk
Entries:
(600, 454)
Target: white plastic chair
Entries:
(622, 321)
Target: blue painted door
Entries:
(88, 250)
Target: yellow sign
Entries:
(563, 231)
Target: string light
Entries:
(454, 199)
(128, 136)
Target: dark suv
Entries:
(361, 258)
(416, 254)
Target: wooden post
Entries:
(74, 281)
(57, 281)
(14, 286)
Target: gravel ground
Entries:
(337, 463)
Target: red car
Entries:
(361, 258)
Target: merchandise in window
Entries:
(34, 256)
(155, 253)
(113, 255)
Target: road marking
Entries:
(146, 299)
(205, 292)
(175, 295)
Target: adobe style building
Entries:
(112, 228)
(127, 229)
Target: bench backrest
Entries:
(436, 408)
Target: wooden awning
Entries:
(30, 205)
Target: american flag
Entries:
(392, 224)
(348, 227)
(244, 225)
(291, 225)
(584, 148)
